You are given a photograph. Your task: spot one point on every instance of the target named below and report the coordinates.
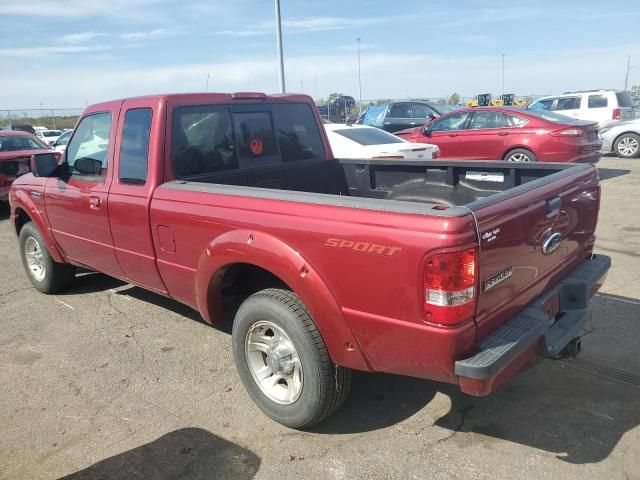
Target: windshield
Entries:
(368, 136)
(52, 133)
(22, 142)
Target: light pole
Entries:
(206, 88)
(503, 74)
(279, 46)
(41, 112)
(359, 77)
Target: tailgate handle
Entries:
(553, 205)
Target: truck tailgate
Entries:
(530, 236)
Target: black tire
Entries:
(523, 153)
(629, 152)
(56, 276)
(325, 385)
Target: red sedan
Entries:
(16, 149)
(513, 134)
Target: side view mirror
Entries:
(427, 131)
(88, 166)
(44, 165)
(430, 116)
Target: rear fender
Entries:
(275, 256)
(22, 200)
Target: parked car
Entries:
(60, 145)
(396, 116)
(16, 149)
(622, 138)
(510, 133)
(234, 205)
(21, 128)
(48, 136)
(361, 141)
(600, 106)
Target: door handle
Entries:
(503, 134)
(94, 202)
(453, 134)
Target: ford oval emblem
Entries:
(552, 243)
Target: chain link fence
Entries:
(49, 118)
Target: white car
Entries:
(602, 106)
(361, 141)
(60, 145)
(622, 138)
(48, 136)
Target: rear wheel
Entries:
(520, 155)
(45, 274)
(283, 361)
(628, 145)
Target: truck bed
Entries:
(438, 185)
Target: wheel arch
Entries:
(615, 140)
(26, 211)
(254, 252)
(511, 148)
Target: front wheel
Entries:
(283, 361)
(45, 274)
(520, 155)
(628, 146)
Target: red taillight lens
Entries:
(450, 280)
(616, 114)
(435, 154)
(567, 132)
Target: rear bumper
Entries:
(533, 332)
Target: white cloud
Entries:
(28, 52)
(139, 10)
(309, 24)
(157, 33)
(81, 37)
(384, 75)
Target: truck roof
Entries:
(213, 97)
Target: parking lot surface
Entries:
(109, 381)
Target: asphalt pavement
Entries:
(109, 381)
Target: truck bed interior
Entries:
(447, 183)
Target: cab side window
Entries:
(88, 148)
(134, 147)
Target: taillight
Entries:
(450, 282)
(435, 154)
(616, 114)
(567, 132)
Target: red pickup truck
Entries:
(460, 272)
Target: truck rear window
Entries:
(211, 138)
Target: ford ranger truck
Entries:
(233, 204)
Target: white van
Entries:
(602, 106)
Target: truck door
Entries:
(139, 138)
(77, 205)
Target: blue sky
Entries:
(64, 53)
